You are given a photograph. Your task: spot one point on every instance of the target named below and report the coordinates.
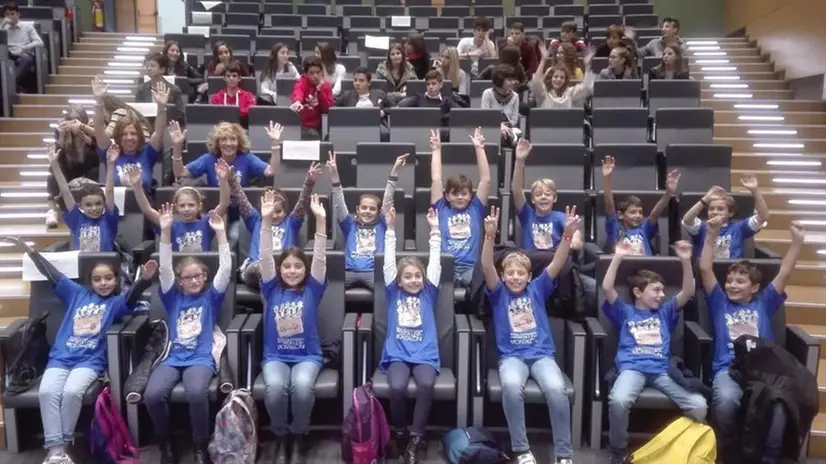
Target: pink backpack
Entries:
(365, 431)
(109, 438)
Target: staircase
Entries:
(782, 141)
(23, 164)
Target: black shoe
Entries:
(168, 455)
(411, 453)
(397, 444)
(202, 454)
(281, 450)
(297, 450)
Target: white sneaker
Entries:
(51, 219)
(564, 461)
(60, 459)
(526, 458)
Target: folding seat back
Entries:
(477, 88)
(569, 165)
(189, 43)
(286, 21)
(351, 198)
(200, 119)
(659, 244)
(275, 9)
(374, 161)
(240, 44)
(638, 9)
(259, 120)
(291, 172)
(443, 23)
(556, 125)
(620, 125)
(641, 20)
(311, 10)
(554, 22)
(132, 223)
(413, 125)
(598, 64)
(701, 166)
(320, 21)
(623, 93)
(568, 10)
(456, 11)
(564, 198)
(349, 126)
(602, 10)
(664, 93)
(247, 20)
(238, 7)
(217, 83)
(359, 17)
(464, 121)
(684, 125)
(421, 204)
(459, 158)
(603, 21)
(744, 209)
(284, 91)
(636, 166)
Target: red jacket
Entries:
(317, 100)
(243, 100)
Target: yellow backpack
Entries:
(682, 442)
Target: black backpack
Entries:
(28, 348)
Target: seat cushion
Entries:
(651, 398)
(460, 295)
(444, 390)
(358, 295)
(533, 394)
(246, 296)
(326, 385)
(178, 394)
(29, 398)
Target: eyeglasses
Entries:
(193, 277)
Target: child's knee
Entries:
(697, 408)
(620, 398)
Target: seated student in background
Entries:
(528, 47)
(333, 70)
(417, 55)
(233, 94)
(433, 98)
(364, 231)
(672, 65)
(508, 55)
(733, 234)
(553, 89)
(312, 96)
(644, 343)
(222, 57)
(621, 65)
(278, 67)
(193, 308)
(292, 355)
(448, 64)
(524, 339)
(625, 223)
(177, 65)
(412, 344)
(153, 66)
(567, 56)
(615, 36)
(114, 108)
(503, 97)
(461, 210)
(478, 46)
(396, 70)
(568, 35)
(78, 355)
(740, 307)
(363, 96)
(670, 29)
(22, 39)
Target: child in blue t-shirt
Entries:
(626, 222)
(93, 222)
(292, 350)
(412, 344)
(363, 232)
(78, 354)
(284, 228)
(524, 339)
(740, 308)
(191, 232)
(644, 348)
(193, 308)
(460, 210)
(733, 234)
(128, 138)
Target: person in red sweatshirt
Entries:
(527, 47)
(233, 94)
(568, 34)
(312, 97)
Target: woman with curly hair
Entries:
(568, 56)
(552, 88)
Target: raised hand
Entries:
(433, 219)
(608, 164)
(589, 58)
(268, 203)
(99, 87)
(683, 249)
(177, 135)
(314, 171)
(52, 153)
(492, 222)
(160, 93)
(331, 162)
(523, 149)
(543, 50)
(149, 269)
(18, 242)
(216, 221)
(572, 221)
(112, 154)
(435, 140)
(274, 131)
(166, 216)
(317, 208)
(64, 126)
(222, 169)
(671, 182)
(133, 176)
(389, 212)
(401, 162)
(798, 232)
(477, 138)
(749, 181)
(623, 249)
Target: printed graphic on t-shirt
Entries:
(123, 169)
(89, 238)
(409, 319)
(543, 235)
(522, 321)
(278, 238)
(189, 327)
(191, 241)
(722, 248)
(365, 241)
(742, 322)
(647, 336)
(636, 244)
(458, 231)
(86, 325)
(311, 100)
(288, 319)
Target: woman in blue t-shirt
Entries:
(128, 137)
(192, 310)
(292, 350)
(412, 343)
(190, 229)
(78, 355)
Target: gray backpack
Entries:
(235, 440)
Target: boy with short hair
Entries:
(670, 29)
(740, 308)
(461, 211)
(644, 343)
(568, 34)
(524, 339)
(478, 46)
(233, 94)
(433, 98)
(528, 49)
(733, 234)
(312, 96)
(154, 66)
(626, 223)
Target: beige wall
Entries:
(793, 32)
(137, 16)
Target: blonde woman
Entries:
(451, 70)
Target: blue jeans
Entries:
(514, 373)
(61, 398)
(627, 389)
(462, 277)
(290, 387)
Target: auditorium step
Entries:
(27, 125)
(769, 130)
(772, 144)
(754, 106)
(787, 117)
(758, 161)
(121, 91)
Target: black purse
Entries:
(28, 349)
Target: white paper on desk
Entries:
(202, 18)
(400, 21)
(203, 30)
(301, 150)
(169, 79)
(210, 5)
(120, 199)
(64, 261)
(149, 110)
(377, 42)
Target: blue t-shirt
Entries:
(190, 319)
(521, 321)
(246, 166)
(644, 335)
(540, 232)
(731, 320)
(291, 322)
(730, 242)
(284, 235)
(412, 336)
(461, 231)
(145, 159)
(193, 236)
(81, 338)
(361, 243)
(638, 238)
(92, 235)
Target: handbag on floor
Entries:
(684, 441)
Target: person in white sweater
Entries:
(279, 67)
(503, 97)
(333, 70)
(552, 88)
